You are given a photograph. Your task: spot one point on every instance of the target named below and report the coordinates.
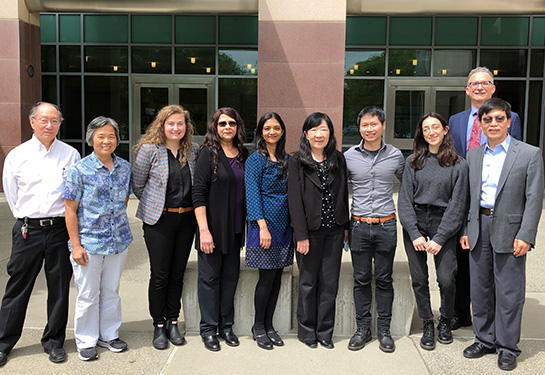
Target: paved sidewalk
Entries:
(294, 358)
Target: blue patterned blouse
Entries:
(102, 213)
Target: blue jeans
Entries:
(368, 242)
(429, 218)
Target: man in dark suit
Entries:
(480, 87)
(506, 185)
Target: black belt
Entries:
(44, 222)
(487, 211)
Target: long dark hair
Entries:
(212, 138)
(305, 155)
(280, 152)
(446, 156)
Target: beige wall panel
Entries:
(302, 10)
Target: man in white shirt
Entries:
(33, 182)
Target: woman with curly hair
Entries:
(162, 180)
(219, 200)
(432, 206)
(269, 241)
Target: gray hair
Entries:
(481, 69)
(34, 109)
(97, 123)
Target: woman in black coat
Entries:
(219, 201)
(318, 202)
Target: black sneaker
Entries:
(385, 341)
(360, 338)
(88, 354)
(427, 342)
(444, 334)
(116, 345)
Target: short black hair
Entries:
(492, 104)
(373, 111)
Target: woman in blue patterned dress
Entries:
(269, 239)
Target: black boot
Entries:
(173, 334)
(444, 334)
(427, 342)
(160, 340)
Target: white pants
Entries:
(98, 305)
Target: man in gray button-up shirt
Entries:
(372, 165)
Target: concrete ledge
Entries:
(285, 319)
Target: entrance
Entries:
(409, 99)
(150, 94)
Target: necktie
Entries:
(475, 138)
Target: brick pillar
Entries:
(19, 48)
(301, 62)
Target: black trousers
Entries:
(318, 283)
(169, 243)
(462, 301)
(266, 297)
(429, 218)
(26, 260)
(217, 284)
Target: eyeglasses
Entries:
(477, 83)
(44, 121)
(488, 119)
(225, 123)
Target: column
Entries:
(19, 49)
(301, 62)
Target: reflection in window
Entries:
(505, 63)
(71, 107)
(151, 60)
(364, 63)
(238, 62)
(453, 63)
(152, 99)
(359, 93)
(448, 103)
(195, 99)
(535, 103)
(108, 96)
(409, 107)
(409, 62)
(240, 94)
(104, 59)
(70, 58)
(195, 60)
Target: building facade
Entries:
(289, 56)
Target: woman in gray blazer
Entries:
(162, 180)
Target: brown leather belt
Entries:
(374, 220)
(179, 210)
(487, 211)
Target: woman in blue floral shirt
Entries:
(96, 193)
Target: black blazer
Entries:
(218, 194)
(305, 196)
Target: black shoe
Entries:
(275, 338)
(262, 340)
(211, 343)
(311, 343)
(173, 334)
(477, 350)
(444, 335)
(328, 344)
(359, 339)
(507, 361)
(56, 355)
(385, 341)
(160, 340)
(427, 342)
(230, 338)
(3, 358)
(457, 322)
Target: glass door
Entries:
(150, 94)
(409, 99)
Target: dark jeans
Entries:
(462, 301)
(217, 284)
(368, 242)
(169, 243)
(318, 283)
(26, 260)
(266, 296)
(429, 218)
